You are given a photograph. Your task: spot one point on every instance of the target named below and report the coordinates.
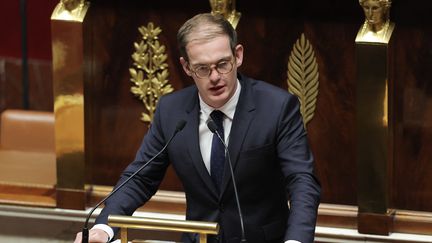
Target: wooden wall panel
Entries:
(268, 32)
(412, 182)
(268, 40)
(40, 89)
(112, 112)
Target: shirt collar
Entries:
(228, 108)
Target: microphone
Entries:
(85, 232)
(213, 128)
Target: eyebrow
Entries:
(227, 58)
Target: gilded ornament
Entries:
(227, 9)
(62, 101)
(303, 77)
(71, 10)
(377, 26)
(150, 71)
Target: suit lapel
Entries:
(193, 111)
(240, 126)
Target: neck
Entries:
(377, 27)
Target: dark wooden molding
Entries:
(414, 222)
(374, 223)
(27, 195)
(331, 215)
(70, 199)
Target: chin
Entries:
(216, 103)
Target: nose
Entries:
(214, 74)
(368, 12)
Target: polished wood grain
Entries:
(413, 118)
(110, 106)
(40, 84)
(27, 194)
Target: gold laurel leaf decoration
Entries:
(303, 77)
(149, 73)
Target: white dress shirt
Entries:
(205, 135)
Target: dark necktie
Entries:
(217, 159)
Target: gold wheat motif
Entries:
(303, 77)
(150, 70)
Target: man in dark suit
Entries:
(266, 139)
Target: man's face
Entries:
(374, 12)
(216, 88)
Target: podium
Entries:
(173, 225)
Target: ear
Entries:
(185, 66)
(238, 52)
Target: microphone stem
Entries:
(243, 239)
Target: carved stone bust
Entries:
(72, 4)
(227, 9)
(377, 26)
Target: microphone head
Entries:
(212, 125)
(180, 125)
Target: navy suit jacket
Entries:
(271, 160)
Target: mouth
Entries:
(216, 90)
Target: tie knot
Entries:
(217, 117)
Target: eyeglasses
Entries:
(204, 71)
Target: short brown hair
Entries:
(220, 24)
